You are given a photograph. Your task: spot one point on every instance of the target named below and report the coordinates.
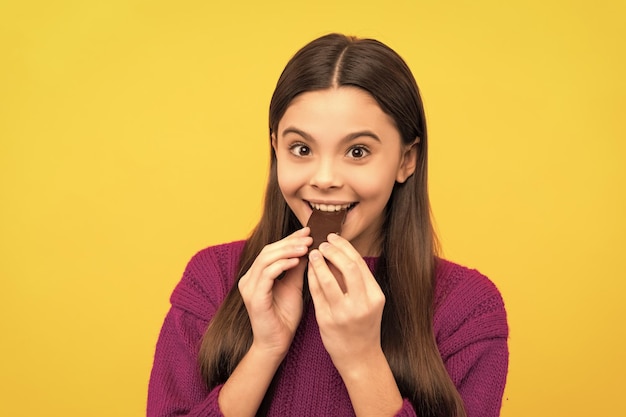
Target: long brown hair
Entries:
(406, 266)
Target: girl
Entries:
(372, 323)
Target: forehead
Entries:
(343, 108)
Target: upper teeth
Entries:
(330, 207)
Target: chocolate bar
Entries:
(324, 222)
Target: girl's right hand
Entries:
(275, 305)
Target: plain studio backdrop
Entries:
(134, 133)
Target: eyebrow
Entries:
(348, 138)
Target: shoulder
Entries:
(208, 277)
(468, 306)
(453, 281)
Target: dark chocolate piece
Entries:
(324, 222)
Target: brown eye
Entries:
(299, 149)
(358, 152)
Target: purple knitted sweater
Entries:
(469, 323)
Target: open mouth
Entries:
(332, 207)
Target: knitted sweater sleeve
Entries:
(471, 330)
(176, 387)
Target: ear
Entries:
(408, 163)
(274, 143)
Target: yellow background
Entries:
(134, 133)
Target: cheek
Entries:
(288, 179)
(375, 187)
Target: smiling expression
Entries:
(337, 149)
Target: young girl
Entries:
(372, 323)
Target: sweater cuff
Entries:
(406, 410)
(210, 406)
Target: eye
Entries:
(358, 152)
(299, 149)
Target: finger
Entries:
(295, 275)
(354, 255)
(293, 246)
(317, 295)
(328, 285)
(349, 267)
(265, 279)
(300, 240)
(300, 235)
(344, 244)
(264, 267)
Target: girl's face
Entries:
(336, 147)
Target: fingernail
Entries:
(332, 237)
(315, 255)
(301, 248)
(323, 246)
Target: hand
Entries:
(275, 306)
(348, 304)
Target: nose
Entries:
(325, 175)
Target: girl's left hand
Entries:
(348, 305)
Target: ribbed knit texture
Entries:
(469, 323)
